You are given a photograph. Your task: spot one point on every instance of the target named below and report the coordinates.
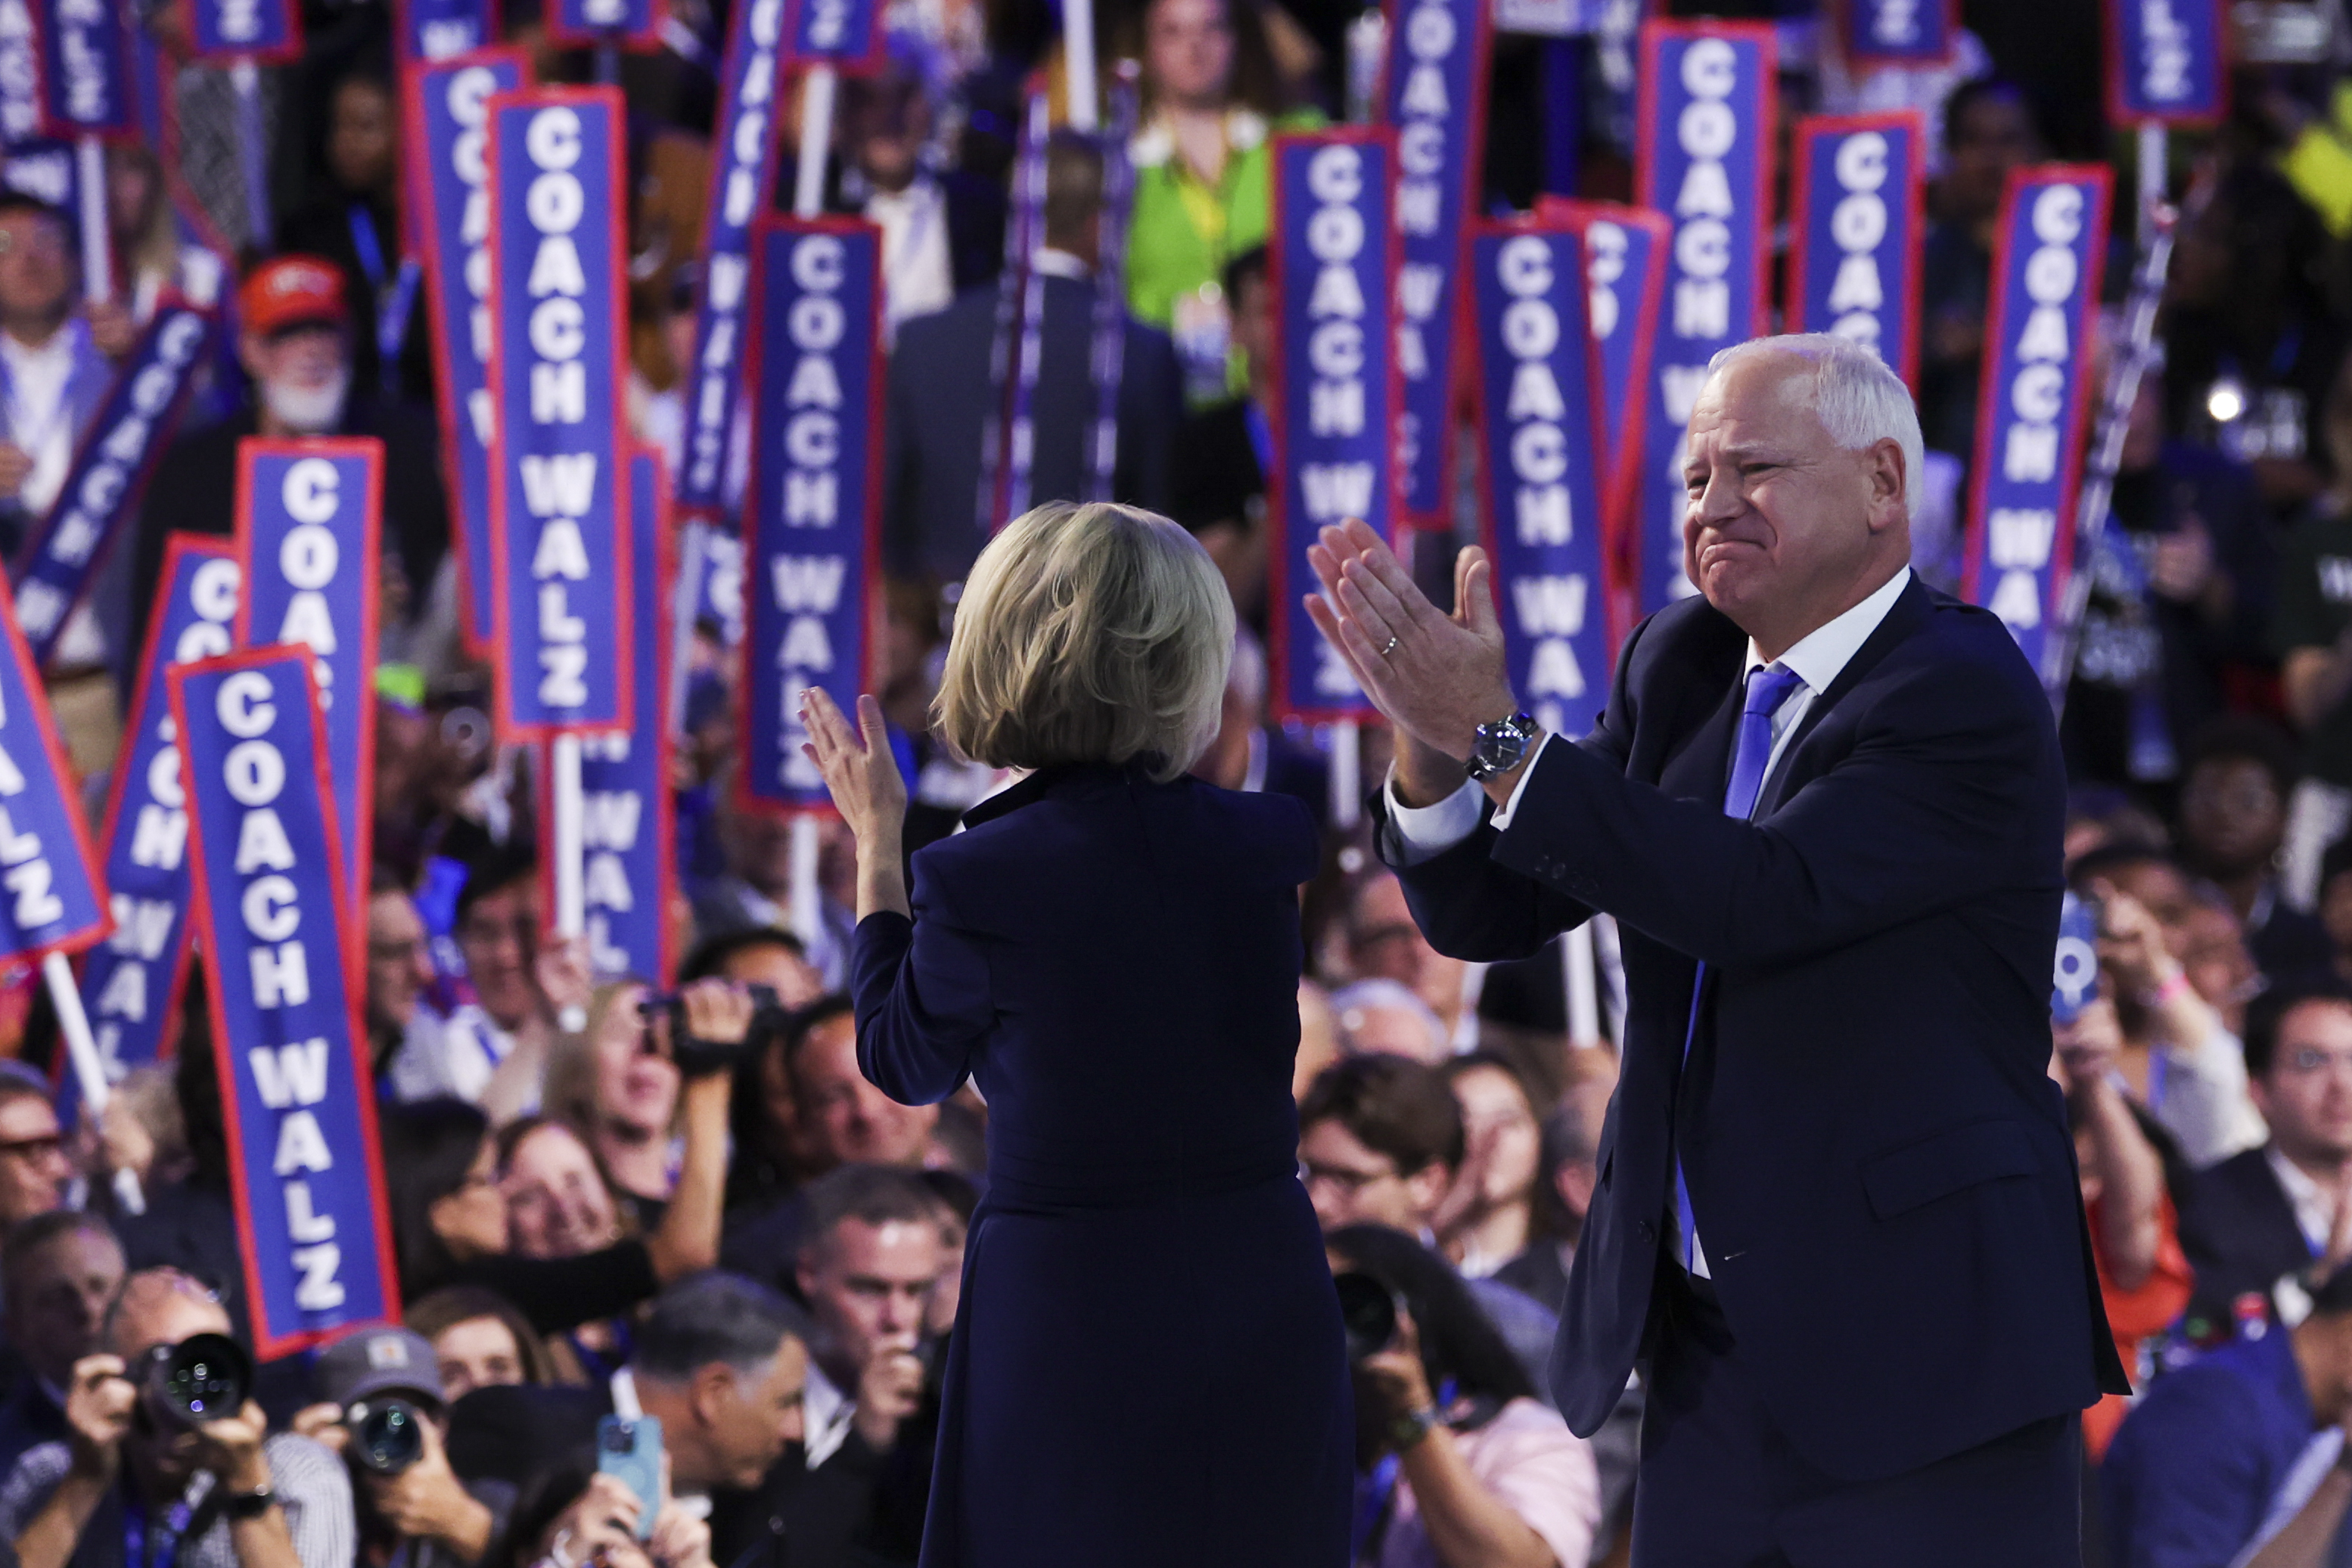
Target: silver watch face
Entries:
(1498, 746)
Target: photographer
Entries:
(450, 1225)
(146, 1478)
(383, 1404)
(1467, 1470)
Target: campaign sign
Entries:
(50, 897)
(559, 355)
(20, 75)
(1332, 258)
(1704, 159)
(131, 982)
(309, 536)
(275, 928)
(743, 168)
(84, 54)
(1540, 424)
(1436, 99)
(447, 111)
(2165, 64)
(812, 540)
(844, 34)
(629, 870)
(1624, 250)
(2037, 392)
(579, 24)
(425, 30)
(117, 453)
(1857, 219)
(264, 30)
(1900, 32)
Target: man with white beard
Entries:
(296, 347)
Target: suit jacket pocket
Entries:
(1943, 1164)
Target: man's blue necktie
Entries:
(1769, 686)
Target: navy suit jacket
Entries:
(1877, 1158)
(2240, 1231)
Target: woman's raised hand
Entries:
(858, 766)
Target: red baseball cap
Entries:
(293, 291)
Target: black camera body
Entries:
(701, 1058)
(387, 1435)
(204, 1378)
(1369, 1312)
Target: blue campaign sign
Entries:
(2037, 392)
(84, 54)
(50, 898)
(559, 356)
(117, 453)
(629, 874)
(131, 982)
(275, 930)
(425, 30)
(265, 30)
(1332, 260)
(634, 24)
(446, 108)
(1900, 32)
(1539, 428)
(20, 75)
(1857, 222)
(309, 536)
(844, 34)
(1704, 160)
(1436, 101)
(2165, 62)
(811, 544)
(743, 169)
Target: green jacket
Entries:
(1169, 251)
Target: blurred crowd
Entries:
(763, 1252)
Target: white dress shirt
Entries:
(1817, 658)
(918, 268)
(826, 1415)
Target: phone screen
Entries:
(629, 1449)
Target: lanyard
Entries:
(394, 297)
(166, 1541)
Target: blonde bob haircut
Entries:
(1088, 632)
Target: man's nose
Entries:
(1722, 499)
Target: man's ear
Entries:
(709, 1390)
(1428, 1187)
(1889, 477)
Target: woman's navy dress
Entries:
(1147, 1366)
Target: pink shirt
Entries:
(1542, 1472)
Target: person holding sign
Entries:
(1825, 805)
(1111, 953)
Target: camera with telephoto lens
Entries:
(700, 1058)
(204, 1378)
(387, 1435)
(1369, 1312)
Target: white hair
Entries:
(1351, 1004)
(1860, 400)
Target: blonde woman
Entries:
(1147, 1366)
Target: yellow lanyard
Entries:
(1205, 207)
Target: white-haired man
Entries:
(1837, 1215)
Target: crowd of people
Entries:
(763, 1250)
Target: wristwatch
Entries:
(246, 1505)
(1407, 1429)
(1501, 746)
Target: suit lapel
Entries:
(1907, 616)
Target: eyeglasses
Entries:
(1310, 1175)
(2306, 1060)
(405, 952)
(521, 932)
(47, 1146)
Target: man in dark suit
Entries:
(1837, 1220)
(940, 391)
(2259, 1225)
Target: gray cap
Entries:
(380, 1359)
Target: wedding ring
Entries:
(1391, 648)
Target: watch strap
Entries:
(250, 1504)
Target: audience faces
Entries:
(35, 1171)
(364, 135)
(844, 1119)
(498, 935)
(57, 1290)
(557, 1204)
(2304, 1094)
(635, 1095)
(718, 1364)
(399, 964)
(1385, 943)
(1488, 1215)
(1380, 1139)
(869, 1277)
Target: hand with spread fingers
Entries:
(1436, 676)
(862, 772)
